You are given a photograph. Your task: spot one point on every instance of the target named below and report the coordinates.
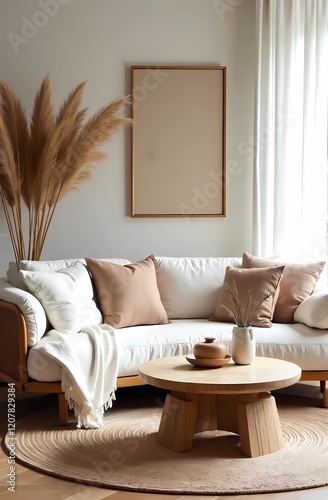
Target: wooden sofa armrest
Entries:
(13, 342)
(13, 359)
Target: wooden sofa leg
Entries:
(324, 391)
(63, 409)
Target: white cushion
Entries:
(57, 265)
(15, 279)
(66, 295)
(46, 266)
(313, 311)
(34, 314)
(189, 286)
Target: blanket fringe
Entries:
(87, 416)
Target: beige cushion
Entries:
(260, 283)
(297, 284)
(128, 295)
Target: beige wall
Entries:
(99, 40)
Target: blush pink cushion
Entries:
(261, 283)
(297, 284)
(128, 294)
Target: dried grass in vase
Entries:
(242, 316)
(44, 159)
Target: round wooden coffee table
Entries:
(233, 398)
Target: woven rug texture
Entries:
(125, 454)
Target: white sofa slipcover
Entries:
(188, 289)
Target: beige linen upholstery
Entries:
(257, 292)
(297, 284)
(128, 295)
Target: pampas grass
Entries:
(242, 315)
(44, 159)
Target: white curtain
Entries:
(290, 161)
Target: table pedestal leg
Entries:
(227, 412)
(253, 416)
(259, 426)
(177, 425)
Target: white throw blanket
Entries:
(89, 362)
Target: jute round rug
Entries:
(124, 453)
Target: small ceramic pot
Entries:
(210, 349)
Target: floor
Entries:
(34, 485)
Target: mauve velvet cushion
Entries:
(298, 283)
(128, 294)
(261, 282)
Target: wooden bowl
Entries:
(208, 362)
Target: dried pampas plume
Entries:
(41, 161)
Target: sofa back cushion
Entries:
(45, 266)
(31, 307)
(189, 286)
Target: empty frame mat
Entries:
(178, 141)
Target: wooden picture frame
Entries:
(178, 141)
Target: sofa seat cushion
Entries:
(189, 286)
(140, 344)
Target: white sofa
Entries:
(188, 289)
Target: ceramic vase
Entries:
(210, 349)
(243, 347)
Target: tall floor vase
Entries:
(243, 346)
